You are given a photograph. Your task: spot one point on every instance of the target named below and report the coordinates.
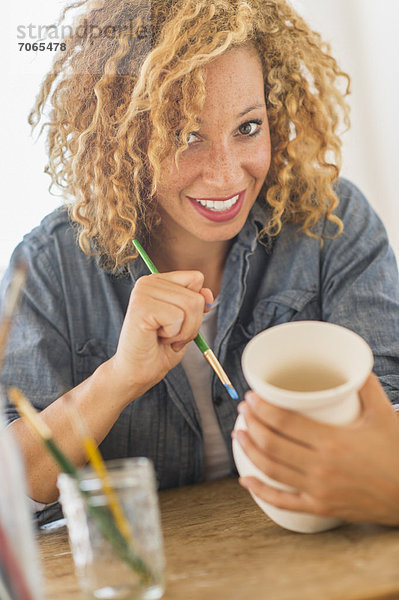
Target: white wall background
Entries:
(364, 36)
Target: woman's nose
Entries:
(221, 167)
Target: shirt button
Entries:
(218, 400)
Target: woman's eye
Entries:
(192, 137)
(250, 128)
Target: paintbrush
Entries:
(199, 340)
(94, 456)
(29, 414)
(102, 514)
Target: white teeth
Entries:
(218, 205)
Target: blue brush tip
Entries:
(231, 391)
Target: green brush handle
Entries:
(63, 462)
(145, 256)
(201, 342)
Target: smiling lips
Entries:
(218, 205)
(219, 209)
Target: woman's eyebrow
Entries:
(247, 110)
(244, 112)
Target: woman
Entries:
(210, 135)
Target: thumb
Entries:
(208, 297)
(372, 395)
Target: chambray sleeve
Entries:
(360, 284)
(38, 357)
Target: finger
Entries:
(179, 346)
(171, 330)
(289, 500)
(156, 315)
(372, 393)
(162, 286)
(278, 447)
(283, 473)
(164, 291)
(289, 423)
(192, 280)
(208, 297)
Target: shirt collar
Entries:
(257, 219)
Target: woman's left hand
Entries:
(350, 472)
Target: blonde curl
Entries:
(118, 101)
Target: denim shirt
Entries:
(72, 311)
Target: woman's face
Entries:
(222, 171)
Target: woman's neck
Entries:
(207, 257)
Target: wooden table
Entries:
(220, 546)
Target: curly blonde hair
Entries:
(116, 101)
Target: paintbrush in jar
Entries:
(104, 518)
(96, 460)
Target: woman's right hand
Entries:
(164, 314)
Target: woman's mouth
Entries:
(219, 209)
(219, 205)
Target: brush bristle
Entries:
(232, 392)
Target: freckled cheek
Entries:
(174, 182)
(260, 164)
(187, 172)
